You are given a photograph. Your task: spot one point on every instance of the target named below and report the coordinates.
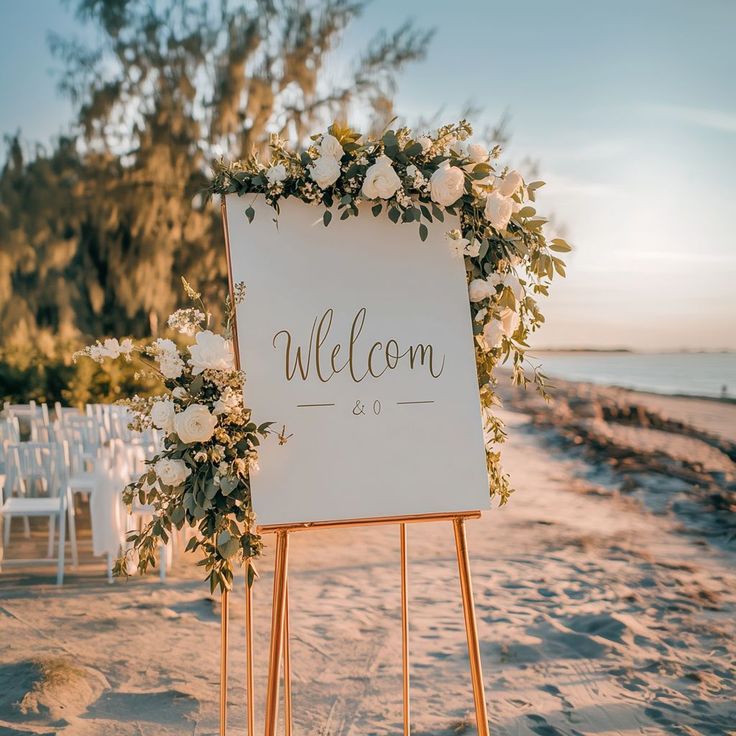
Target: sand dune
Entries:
(601, 611)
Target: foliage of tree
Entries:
(95, 232)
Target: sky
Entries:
(629, 108)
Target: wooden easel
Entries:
(279, 643)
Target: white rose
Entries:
(179, 393)
(171, 365)
(412, 171)
(330, 146)
(162, 414)
(210, 351)
(195, 424)
(172, 472)
(492, 334)
(381, 180)
(498, 210)
(325, 171)
(477, 153)
(509, 321)
(480, 289)
(447, 184)
(425, 143)
(276, 174)
(510, 184)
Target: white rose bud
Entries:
(447, 184)
(425, 143)
(477, 153)
(276, 174)
(492, 334)
(210, 351)
(412, 171)
(330, 146)
(172, 472)
(325, 171)
(509, 185)
(195, 424)
(381, 180)
(498, 210)
(162, 414)
(480, 289)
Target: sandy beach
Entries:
(605, 594)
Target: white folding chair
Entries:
(79, 468)
(86, 432)
(61, 412)
(35, 487)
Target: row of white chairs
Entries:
(40, 477)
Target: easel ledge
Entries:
(346, 523)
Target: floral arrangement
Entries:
(508, 260)
(210, 444)
(201, 477)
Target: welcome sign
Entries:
(358, 338)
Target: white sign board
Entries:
(357, 337)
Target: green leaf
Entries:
(228, 484)
(393, 214)
(250, 213)
(326, 217)
(423, 232)
(560, 246)
(376, 209)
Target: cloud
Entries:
(700, 116)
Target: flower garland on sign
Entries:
(508, 260)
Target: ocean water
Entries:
(691, 374)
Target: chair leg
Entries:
(162, 562)
(6, 531)
(52, 532)
(26, 527)
(3, 523)
(72, 530)
(62, 547)
(109, 568)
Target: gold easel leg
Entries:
(249, 679)
(277, 632)
(287, 664)
(471, 628)
(405, 631)
(224, 605)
